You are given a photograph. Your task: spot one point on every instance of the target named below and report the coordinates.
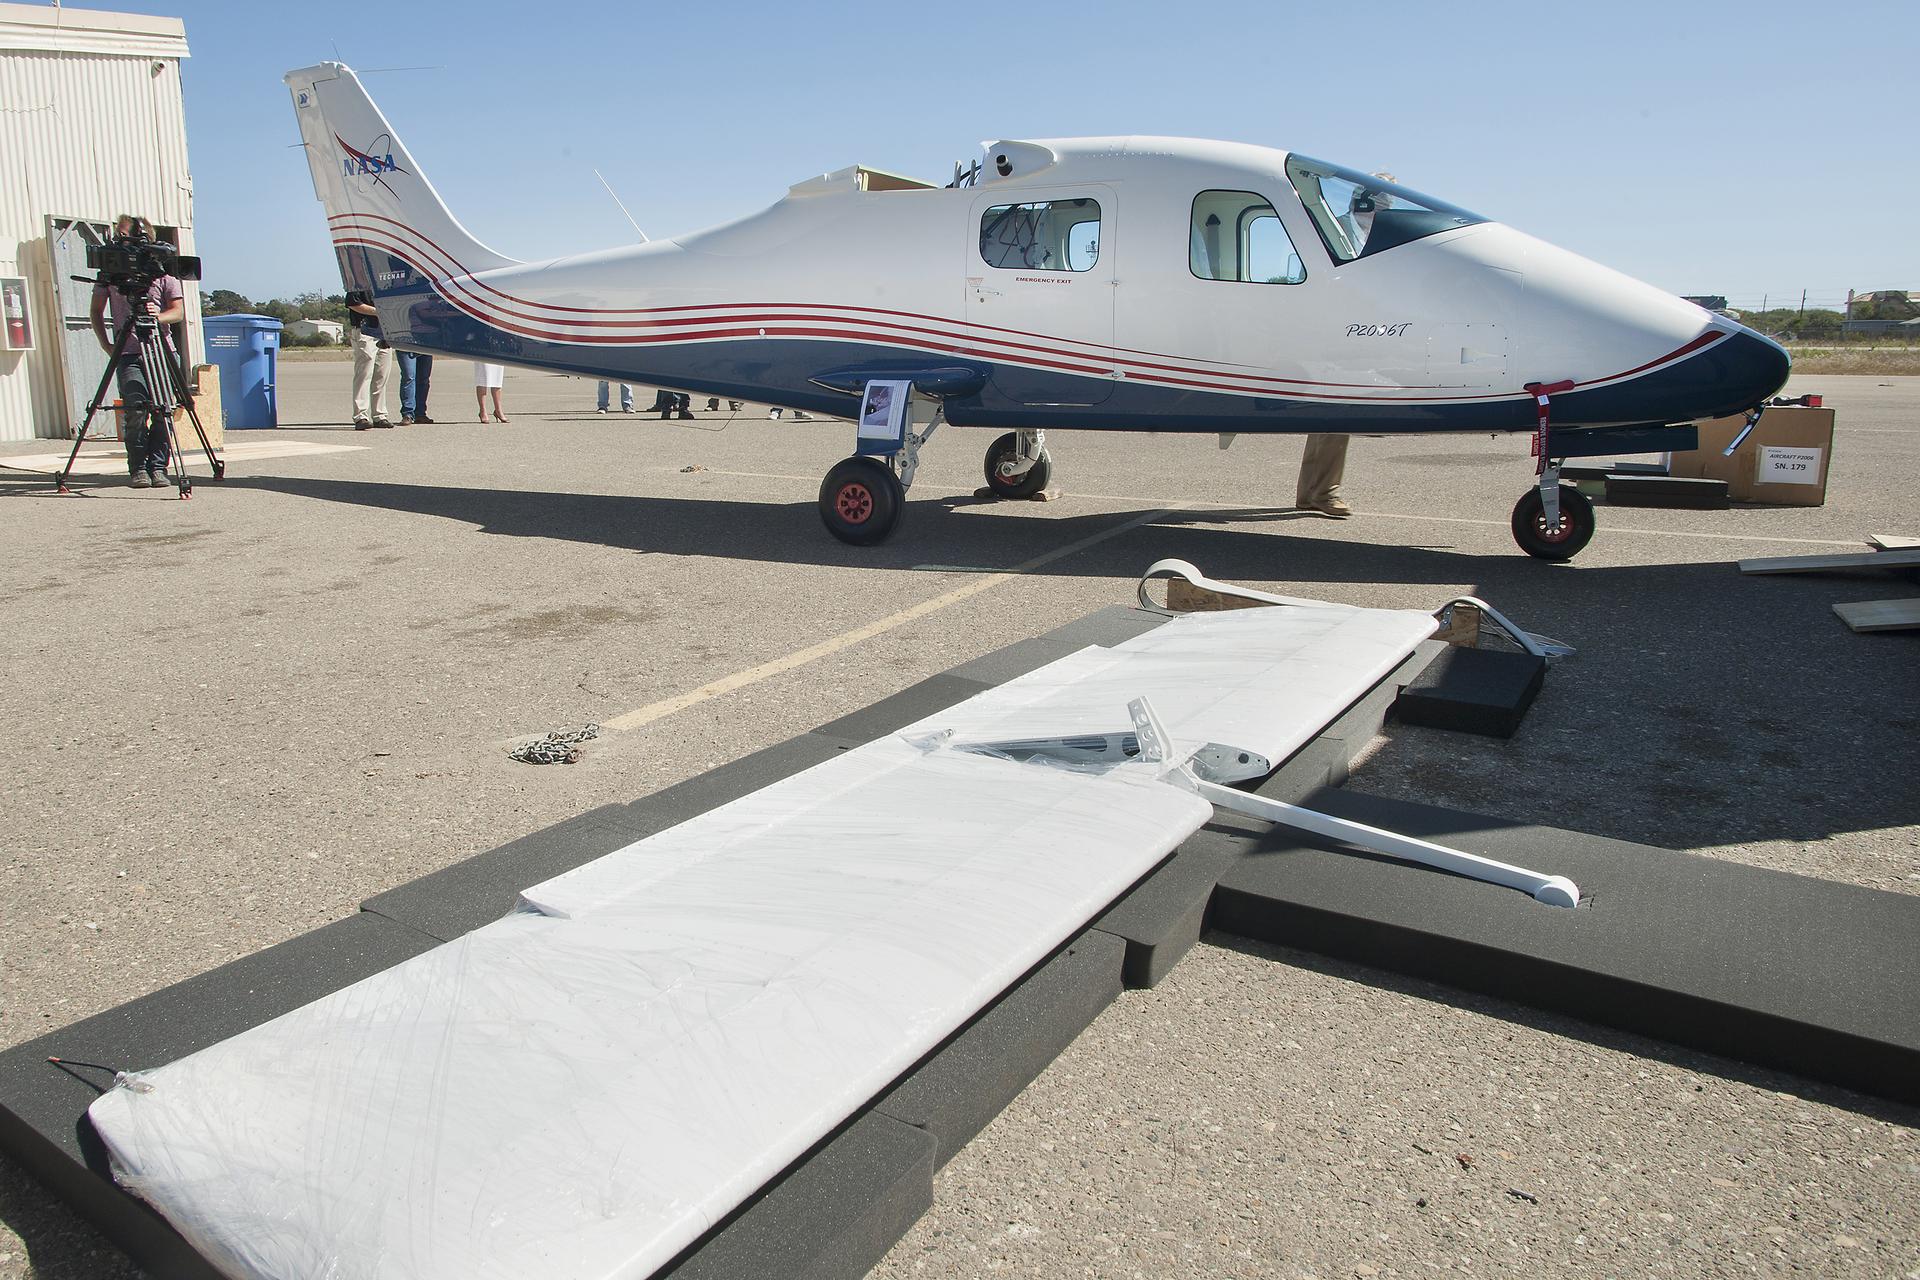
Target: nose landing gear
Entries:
(1560, 537)
(1552, 521)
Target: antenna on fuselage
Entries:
(623, 208)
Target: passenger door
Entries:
(1040, 271)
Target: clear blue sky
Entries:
(1739, 148)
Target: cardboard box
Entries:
(1783, 463)
(206, 402)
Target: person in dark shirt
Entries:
(148, 445)
(371, 363)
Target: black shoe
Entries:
(139, 480)
(361, 424)
(158, 480)
(385, 424)
(424, 420)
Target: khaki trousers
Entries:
(1322, 467)
(371, 365)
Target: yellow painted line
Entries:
(813, 653)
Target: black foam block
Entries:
(1165, 914)
(475, 892)
(1691, 493)
(968, 1081)
(43, 1107)
(832, 1217)
(935, 693)
(1483, 691)
(1785, 971)
(731, 781)
(1016, 659)
(1111, 626)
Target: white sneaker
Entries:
(599, 410)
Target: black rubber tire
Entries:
(1036, 478)
(861, 501)
(1563, 542)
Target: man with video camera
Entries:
(147, 435)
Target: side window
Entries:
(1236, 235)
(1046, 235)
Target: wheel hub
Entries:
(1559, 531)
(854, 502)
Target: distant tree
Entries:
(224, 302)
(315, 305)
(284, 312)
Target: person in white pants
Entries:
(372, 362)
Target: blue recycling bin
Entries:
(246, 349)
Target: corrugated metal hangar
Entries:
(92, 125)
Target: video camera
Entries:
(132, 262)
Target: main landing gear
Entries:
(1018, 464)
(863, 497)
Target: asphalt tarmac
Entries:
(232, 719)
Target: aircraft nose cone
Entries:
(1725, 379)
(1760, 362)
(1740, 372)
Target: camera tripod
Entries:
(166, 391)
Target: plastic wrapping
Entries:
(583, 1088)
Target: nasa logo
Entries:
(371, 166)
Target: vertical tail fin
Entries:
(375, 195)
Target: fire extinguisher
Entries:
(16, 319)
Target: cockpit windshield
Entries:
(1361, 214)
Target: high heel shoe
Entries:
(499, 417)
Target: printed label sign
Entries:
(1788, 466)
(883, 417)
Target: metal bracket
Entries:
(1538, 645)
(1753, 420)
(907, 460)
(1027, 447)
(1207, 771)
(1556, 891)
(1184, 569)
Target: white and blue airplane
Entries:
(1129, 283)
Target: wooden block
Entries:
(1185, 597)
(1896, 559)
(206, 403)
(1880, 615)
(1462, 627)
